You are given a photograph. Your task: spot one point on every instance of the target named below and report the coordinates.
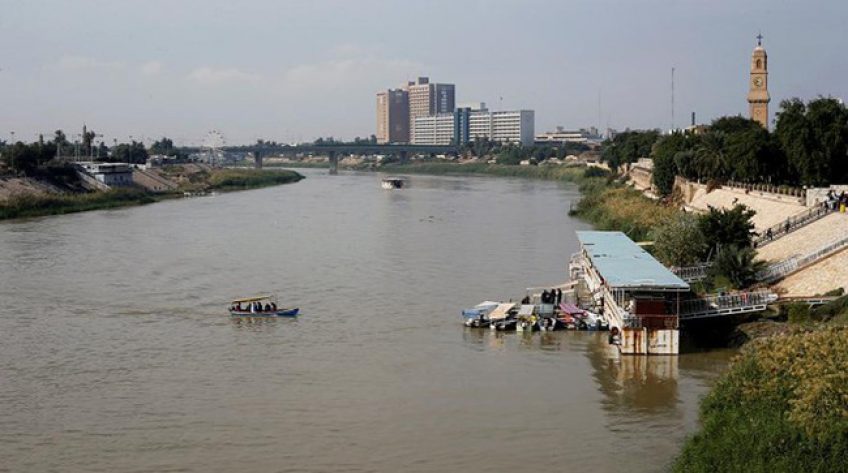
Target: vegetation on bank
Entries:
(33, 205)
(555, 173)
(239, 179)
(781, 407)
(807, 147)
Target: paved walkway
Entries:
(769, 212)
(806, 239)
(829, 273)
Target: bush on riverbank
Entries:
(38, 204)
(30, 205)
(780, 408)
(610, 206)
(554, 173)
(235, 179)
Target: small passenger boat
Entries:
(526, 318)
(503, 317)
(478, 316)
(394, 182)
(261, 306)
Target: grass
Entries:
(611, 206)
(224, 180)
(558, 173)
(33, 205)
(239, 179)
(781, 407)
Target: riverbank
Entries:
(217, 180)
(779, 408)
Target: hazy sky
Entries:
(294, 70)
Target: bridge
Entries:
(333, 150)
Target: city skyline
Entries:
(298, 70)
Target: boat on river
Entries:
(394, 182)
(261, 306)
(478, 316)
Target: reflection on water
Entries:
(120, 354)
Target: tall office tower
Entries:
(393, 116)
(427, 99)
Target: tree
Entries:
(738, 265)
(134, 153)
(727, 227)
(815, 139)
(665, 168)
(629, 146)
(164, 146)
(711, 162)
(26, 158)
(679, 241)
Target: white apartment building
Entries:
(516, 126)
(433, 130)
(466, 125)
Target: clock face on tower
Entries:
(758, 81)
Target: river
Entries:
(118, 354)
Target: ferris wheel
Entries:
(213, 144)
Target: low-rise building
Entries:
(561, 136)
(111, 174)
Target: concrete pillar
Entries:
(404, 156)
(334, 162)
(257, 159)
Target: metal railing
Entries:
(691, 273)
(791, 224)
(779, 270)
(723, 304)
(769, 189)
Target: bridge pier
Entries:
(334, 162)
(404, 157)
(257, 159)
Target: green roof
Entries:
(624, 264)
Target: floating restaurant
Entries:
(638, 296)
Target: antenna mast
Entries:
(672, 99)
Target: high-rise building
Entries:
(393, 116)
(758, 95)
(465, 125)
(427, 99)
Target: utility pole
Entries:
(672, 99)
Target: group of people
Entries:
(554, 296)
(254, 307)
(837, 202)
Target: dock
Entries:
(643, 301)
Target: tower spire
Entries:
(759, 39)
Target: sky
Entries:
(292, 70)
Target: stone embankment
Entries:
(18, 186)
(770, 210)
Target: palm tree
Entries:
(711, 161)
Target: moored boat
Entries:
(261, 306)
(393, 182)
(478, 316)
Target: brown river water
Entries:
(118, 355)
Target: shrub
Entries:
(781, 407)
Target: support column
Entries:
(403, 156)
(334, 162)
(257, 159)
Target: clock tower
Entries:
(758, 96)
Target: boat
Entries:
(394, 182)
(526, 319)
(583, 319)
(261, 306)
(478, 316)
(503, 317)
